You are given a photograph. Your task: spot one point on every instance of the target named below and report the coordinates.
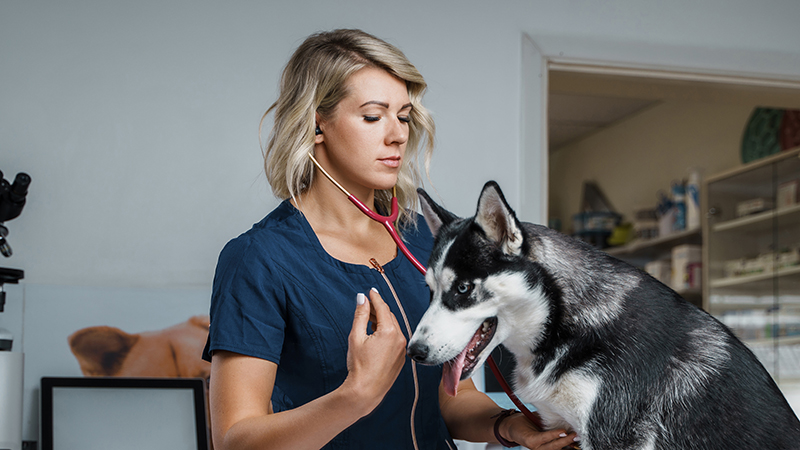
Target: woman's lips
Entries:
(393, 162)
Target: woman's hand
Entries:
(374, 361)
(519, 429)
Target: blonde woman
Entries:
(295, 363)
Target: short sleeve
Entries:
(248, 304)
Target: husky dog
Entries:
(601, 347)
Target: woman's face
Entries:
(362, 145)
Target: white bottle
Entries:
(693, 200)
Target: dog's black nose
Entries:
(418, 351)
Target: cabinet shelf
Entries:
(735, 281)
(719, 308)
(648, 248)
(785, 340)
(761, 221)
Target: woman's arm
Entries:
(470, 416)
(241, 389)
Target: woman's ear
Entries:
(318, 136)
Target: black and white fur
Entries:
(601, 347)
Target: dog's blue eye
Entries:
(464, 287)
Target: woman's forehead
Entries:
(372, 85)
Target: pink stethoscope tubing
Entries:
(388, 223)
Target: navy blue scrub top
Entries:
(278, 295)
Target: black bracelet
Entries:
(500, 417)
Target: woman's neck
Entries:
(325, 204)
(344, 231)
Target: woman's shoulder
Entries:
(284, 219)
(279, 228)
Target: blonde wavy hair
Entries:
(314, 80)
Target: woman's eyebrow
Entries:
(375, 102)
(384, 104)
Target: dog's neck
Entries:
(591, 290)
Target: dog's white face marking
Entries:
(441, 283)
(523, 308)
(448, 332)
(438, 277)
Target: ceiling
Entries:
(572, 117)
(580, 104)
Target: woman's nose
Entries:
(398, 133)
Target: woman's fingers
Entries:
(361, 318)
(374, 361)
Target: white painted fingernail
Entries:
(374, 290)
(562, 435)
(361, 299)
(577, 439)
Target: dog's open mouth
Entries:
(461, 367)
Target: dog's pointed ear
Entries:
(498, 220)
(435, 215)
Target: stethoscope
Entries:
(388, 223)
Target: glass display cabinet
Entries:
(751, 259)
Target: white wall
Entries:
(138, 120)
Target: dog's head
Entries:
(480, 280)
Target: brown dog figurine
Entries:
(172, 352)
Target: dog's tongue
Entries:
(451, 373)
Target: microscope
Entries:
(12, 200)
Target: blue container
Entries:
(679, 198)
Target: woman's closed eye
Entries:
(403, 119)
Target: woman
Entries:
(293, 364)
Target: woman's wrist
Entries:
(356, 397)
(501, 428)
